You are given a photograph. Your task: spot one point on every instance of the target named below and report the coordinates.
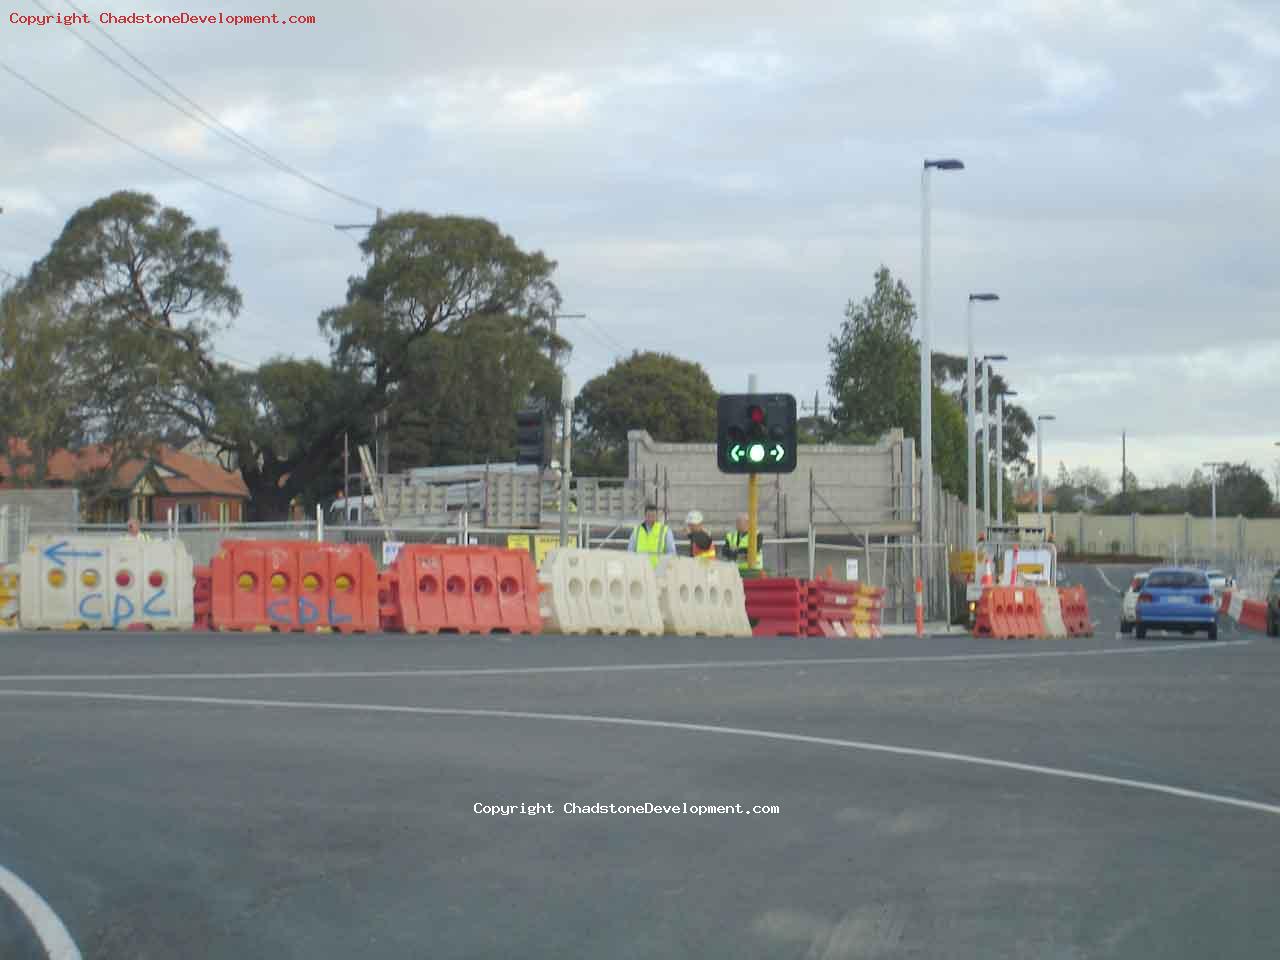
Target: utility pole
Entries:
(381, 446)
(1124, 464)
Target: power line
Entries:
(156, 157)
(609, 336)
(599, 334)
(205, 118)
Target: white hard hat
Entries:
(694, 517)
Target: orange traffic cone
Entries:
(987, 572)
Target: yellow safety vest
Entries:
(739, 542)
(652, 541)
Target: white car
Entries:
(1129, 605)
(1219, 581)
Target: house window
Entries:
(188, 513)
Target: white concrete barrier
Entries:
(105, 583)
(1055, 627)
(702, 597)
(598, 591)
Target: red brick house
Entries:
(197, 490)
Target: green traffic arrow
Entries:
(735, 453)
(779, 452)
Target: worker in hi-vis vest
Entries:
(652, 537)
(736, 542)
(701, 546)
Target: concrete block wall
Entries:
(862, 485)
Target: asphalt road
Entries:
(290, 796)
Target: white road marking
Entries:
(775, 735)
(1112, 586)
(613, 668)
(53, 936)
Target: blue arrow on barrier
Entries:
(59, 552)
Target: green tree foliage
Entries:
(426, 274)
(874, 374)
(875, 379)
(42, 390)
(672, 399)
(284, 424)
(131, 294)
(467, 384)
(1242, 491)
(442, 334)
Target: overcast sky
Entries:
(717, 179)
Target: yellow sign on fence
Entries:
(542, 544)
(545, 543)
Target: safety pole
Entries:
(919, 606)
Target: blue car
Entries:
(1177, 599)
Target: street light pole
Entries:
(986, 431)
(926, 357)
(1000, 457)
(1040, 461)
(972, 415)
(1213, 466)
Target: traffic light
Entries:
(531, 437)
(756, 433)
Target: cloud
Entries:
(718, 179)
(1233, 87)
(1260, 33)
(1066, 80)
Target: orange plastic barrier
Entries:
(202, 598)
(1009, 613)
(292, 586)
(1075, 611)
(1253, 614)
(440, 589)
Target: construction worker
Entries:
(652, 536)
(736, 542)
(701, 546)
(135, 531)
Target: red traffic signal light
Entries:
(756, 414)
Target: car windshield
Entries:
(1174, 579)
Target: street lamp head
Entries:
(1009, 393)
(1045, 416)
(992, 357)
(984, 296)
(948, 164)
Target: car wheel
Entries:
(1273, 628)
(1140, 631)
(1213, 631)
